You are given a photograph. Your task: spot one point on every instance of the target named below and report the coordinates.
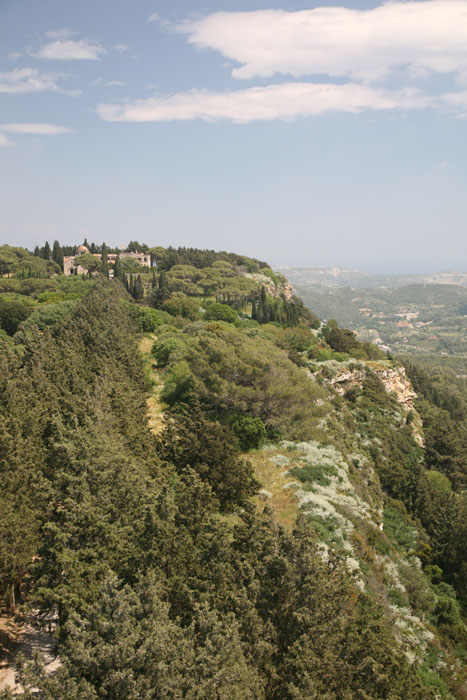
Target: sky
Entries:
(327, 133)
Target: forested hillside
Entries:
(425, 317)
(207, 493)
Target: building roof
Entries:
(82, 249)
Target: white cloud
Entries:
(154, 17)
(14, 55)
(34, 128)
(457, 102)
(71, 50)
(284, 101)
(115, 83)
(5, 141)
(456, 99)
(25, 80)
(120, 48)
(422, 37)
(60, 33)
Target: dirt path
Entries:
(155, 411)
(24, 638)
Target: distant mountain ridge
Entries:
(345, 277)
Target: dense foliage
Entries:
(147, 551)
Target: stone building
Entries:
(71, 264)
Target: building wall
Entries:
(71, 263)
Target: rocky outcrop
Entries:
(394, 380)
(272, 289)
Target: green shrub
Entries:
(182, 306)
(169, 349)
(179, 385)
(398, 598)
(397, 528)
(14, 308)
(149, 319)
(250, 432)
(432, 679)
(220, 312)
(269, 273)
(314, 473)
(421, 597)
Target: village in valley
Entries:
(411, 315)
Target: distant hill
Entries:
(344, 277)
(417, 315)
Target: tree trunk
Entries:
(12, 599)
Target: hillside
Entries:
(426, 319)
(209, 493)
(335, 277)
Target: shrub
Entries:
(250, 432)
(297, 338)
(397, 528)
(220, 312)
(14, 308)
(353, 393)
(191, 441)
(397, 597)
(182, 306)
(149, 319)
(314, 473)
(179, 385)
(421, 597)
(168, 349)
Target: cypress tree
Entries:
(260, 312)
(254, 312)
(105, 261)
(154, 280)
(46, 253)
(57, 253)
(118, 270)
(37, 251)
(138, 290)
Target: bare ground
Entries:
(22, 636)
(155, 409)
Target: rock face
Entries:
(394, 380)
(272, 289)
